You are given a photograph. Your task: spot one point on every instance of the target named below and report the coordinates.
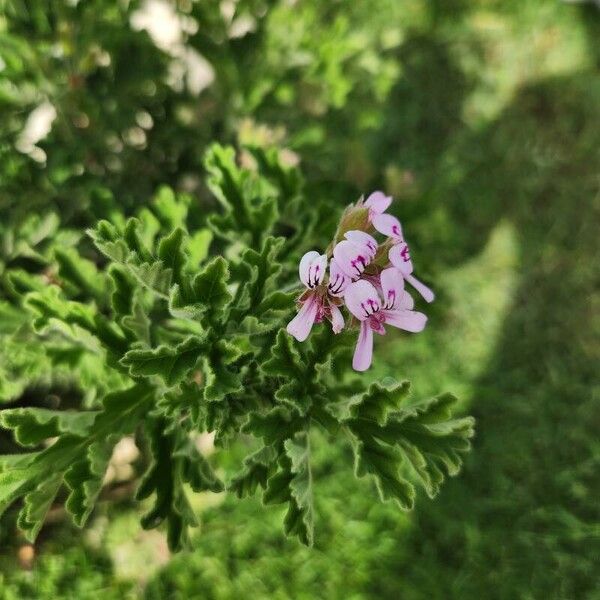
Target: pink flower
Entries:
(315, 303)
(399, 253)
(366, 304)
(354, 253)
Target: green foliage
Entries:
(202, 349)
(170, 363)
(166, 321)
(479, 117)
(207, 292)
(68, 572)
(32, 426)
(389, 436)
(175, 461)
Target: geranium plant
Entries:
(180, 321)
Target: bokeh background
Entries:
(482, 118)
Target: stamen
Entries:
(374, 305)
(362, 305)
(336, 286)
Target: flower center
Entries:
(370, 307)
(359, 264)
(314, 272)
(391, 299)
(376, 322)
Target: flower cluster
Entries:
(367, 277)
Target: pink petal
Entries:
(338, 280)
(427, 294)
(392, 287)
(337, 318)
(409, 320)
(378, 203)
(388, 225)
(362, 299)
(406, 302)
(312, 269)
(367, 243)
(302, 323)
(363, 353)
(351, 259)
(399, 256)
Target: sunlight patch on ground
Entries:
(520, 48)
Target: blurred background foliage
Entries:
(482, 118)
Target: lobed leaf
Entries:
(32, 426)
(206, 294)
(171, 363)
(257, 469)
(293, 484)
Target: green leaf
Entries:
(249, 201)
(288, 180)
(293, 484)
(170, 252)
(273, 426)
(198, 246)
(37, 228)
(171, 210)
(16, 480)
(78, 457)
(49, 304)
(174, 462)
(298, 451)
(431, 442)
(127, 249)
(123, 289)
(258, 466)
(380, 399)
(109, 241)
(220, 379)
(196, 470)
(150, 227)
(11, 318)
(84, 478)
(32, 426)
(133, 240)
(383, 462)
(285, 360)
(277, 301)
(207, 293)
(138, 322)
(171, 363)
(36, 505)
(85, 462)
(226, 181)
(81, 273)
(296, 395)
(251, 326)
(417, 440)
(257, 272)
(154, 276)
(20, 282)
